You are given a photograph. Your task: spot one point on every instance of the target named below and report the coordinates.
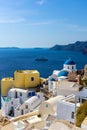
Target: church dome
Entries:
(63, 73)
(69, 62)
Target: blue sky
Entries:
(42, 23)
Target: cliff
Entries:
(77, 46)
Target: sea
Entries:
(12, 59)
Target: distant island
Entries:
(77, 46)
(9, 48)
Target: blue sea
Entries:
(22, 59)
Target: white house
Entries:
(24, 102)
(28, 106)
(50, 106)
(20, 93)
(66, 108)
(9, 105)
(52, 85)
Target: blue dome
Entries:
(69, 62)
(52, 79)
(63, 73)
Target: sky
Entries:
(42, 23)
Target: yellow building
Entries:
(6, 84)
(22, 79)
(26, 78)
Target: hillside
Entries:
(77, 46)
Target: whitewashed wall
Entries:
(70, 67)
(64, 111)
(6, 106)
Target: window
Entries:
(26, 106)
(22, 112)
(12, 102)
(72, 115)
(20, 94)
(72, 67)
(46, 105)
(51, 83)
(83, 100)
(32, 78)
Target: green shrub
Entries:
(81, 114)
(85, 82)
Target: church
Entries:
(58, 75)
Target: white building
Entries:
(20, 93)
(68, 66)
(49, 106)
(58, 75)
(52, 85)
(20, 102)
(9, 105)
(28, 106)
(66, 108)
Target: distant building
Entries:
(22, 79)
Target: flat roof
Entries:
(27, 71)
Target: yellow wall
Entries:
(6, 84)
(28, 79)
(19, 79)
(22, 79)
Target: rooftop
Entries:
(27, 71)
(63, 73)
(69, 62)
